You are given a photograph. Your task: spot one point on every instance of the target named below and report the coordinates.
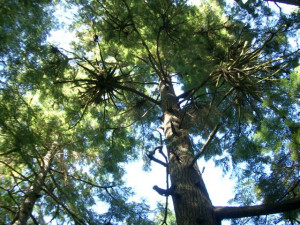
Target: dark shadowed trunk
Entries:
(191, 201)
(289, 2)
(34, 190)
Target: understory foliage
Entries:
(72, 117)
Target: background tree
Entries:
(51, 169)
(48, 170)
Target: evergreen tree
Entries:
(50, 171)
(108, 96)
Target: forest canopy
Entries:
(72, 117)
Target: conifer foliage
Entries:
(70, 119)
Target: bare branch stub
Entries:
(151, 156)
(164, 192)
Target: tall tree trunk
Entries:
(191, 201)
(34, 190)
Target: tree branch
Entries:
(8, 208)
(210, 137)
(125, 88)
(77, 220)
(165, 192)
(8, 152)
(150, 55)
(186, 95)
(84, 181)
(257, 210)
(151, 157)
(289, 2)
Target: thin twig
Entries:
(84, 181)
(56, 199)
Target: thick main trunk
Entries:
(191, 201)
(34, 190)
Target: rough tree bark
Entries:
(191, 201)
(190, 198)
(33, 193)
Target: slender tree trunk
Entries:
(191, 201)
(34, 190)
